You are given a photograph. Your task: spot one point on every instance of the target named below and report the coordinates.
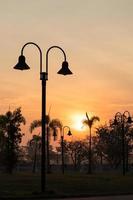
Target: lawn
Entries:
(28, 185)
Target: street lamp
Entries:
(21, 65)
(62, 144)
(123, 119)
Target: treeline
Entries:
(106, 146)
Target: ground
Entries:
(68, 185)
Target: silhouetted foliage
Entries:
(75, 149)
(89, 122)
(109, 143)
(53, 127)
(35, 144)
(10, 138)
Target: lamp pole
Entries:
(62, 145)
(21, 65)
(122, 118)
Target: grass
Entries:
(21, 185)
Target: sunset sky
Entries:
(97, 36)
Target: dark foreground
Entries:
(128, 197)
(27, 185)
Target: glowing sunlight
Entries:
(77, 121)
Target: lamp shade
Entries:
(69, 133)
(115, 122)
(21, 65)
(129, 120)
(64, 70)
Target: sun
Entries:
(77, 122)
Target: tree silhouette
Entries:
(11, 137)
(53, 125)
(90, 122)
(35, 142)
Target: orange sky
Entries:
(97, 36)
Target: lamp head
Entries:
(64, 70)
(129, 120)
(21, 65)
(69, 133)
(115, 122)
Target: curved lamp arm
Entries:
(64, 129)
(47, 57)
(129, 118)
(119, 115)
(38, 49)
(127, 113)
(123, 116)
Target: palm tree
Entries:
(36, 143)
(89, 122)
(54, 124)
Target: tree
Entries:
(52, 126)
(75, 150)
(2, 142)
(109, 143)
(11, 137)
(35, 144)
(89, 122)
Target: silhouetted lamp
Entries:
(129, 120)
(69, 133)
(123, 119)
(64, 70)
(62, 145)
(115, 123)
(21, 65)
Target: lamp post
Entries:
(122, 119)
(21, 65)
(62, 145)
